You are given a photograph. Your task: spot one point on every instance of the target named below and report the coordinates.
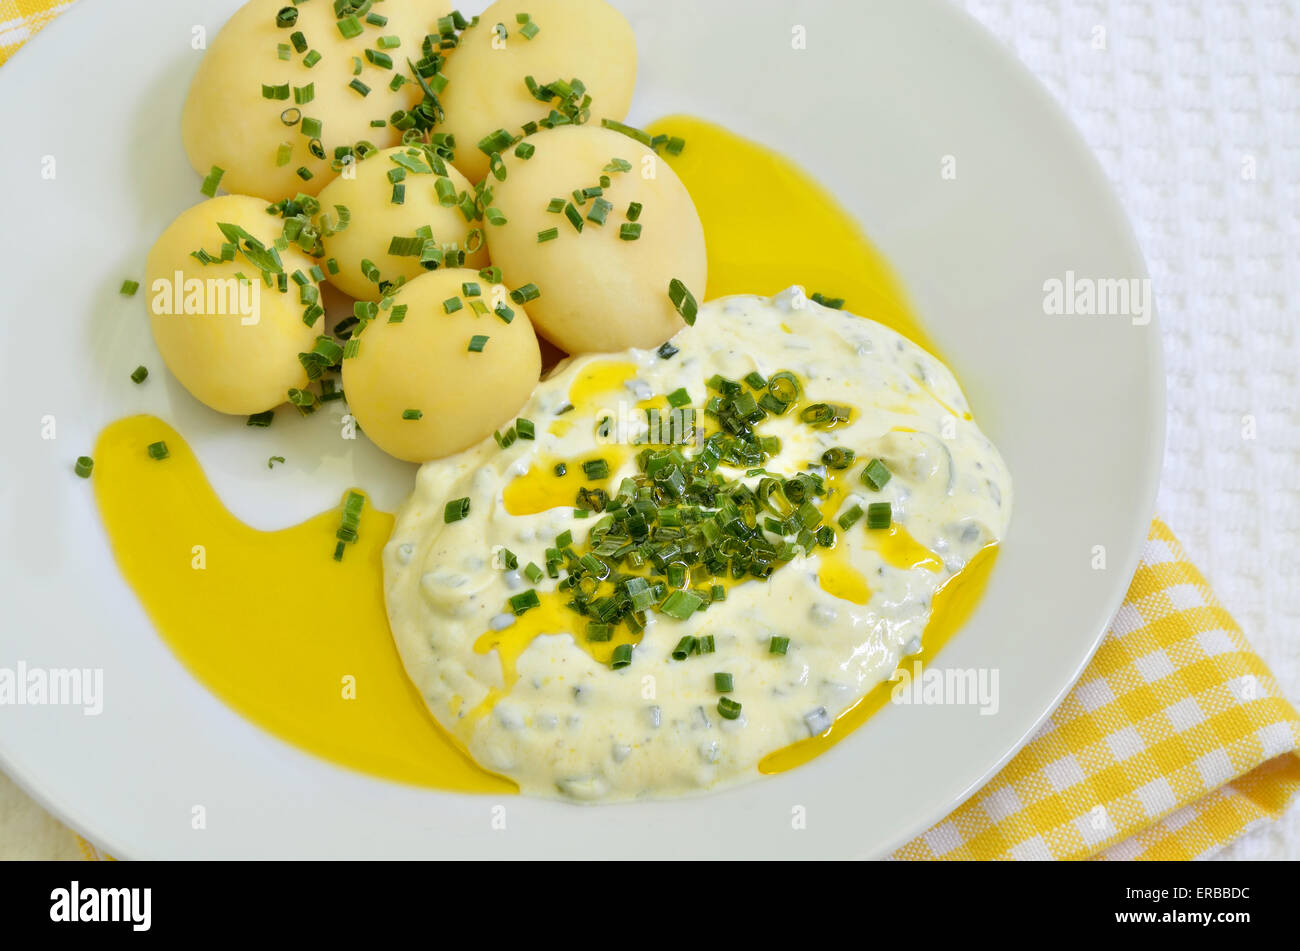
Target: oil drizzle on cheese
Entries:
(768, 224)
(953, 604)
(269, 621)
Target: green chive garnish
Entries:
(622, 657)
(261, 420)
(212, 181)
(129, 288)
(522, 295)
(139, 373)
(850, 517)
(524, 602)
(548, 234)
(778, 645)
(838, 458)
(629, 231)
(728, 709)
(412, 414)
(451, 305)
(879, 515)
(723, 683)
(477, 343)
(83, 466)
(876, 474)
(681, 604)
(270, 463)
(683, 300)
(158, 450)
(455, 510)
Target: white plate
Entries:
(883, 92)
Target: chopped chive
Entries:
(876, 474)
(596, 469)
(129, 288)
(681, 604)
(549, 234)
(286, 17)
(522, 295)
(83, 466)
(838, 457)
(850, 517)
(504, 312)
(633, 211)
(679, 398)
(525, 601)
(685, 648)
(535, 574)
(270, 463)
(778, 645)
(525, 428)
(574, 216)
(360, 87)
(477, 343)
(728, 709)
(879, 515)
(470, 289)
(683, 300)
(629, 231)
(138, 374)
(412, 414)
(455, 510)
(311, 59)
(261, 420)
(451, 305)
(212, 181)
(555, 206)
(622, 657)
(723, 683)
(597, 631)
(158, 450)
(491, 274)
(600, 209)
(350, 27)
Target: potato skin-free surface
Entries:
(229, 357)
(599, 293)
(376, 220)
(229, 123)
(577, 39)
(424, 363)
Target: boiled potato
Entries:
(576, 39)
(425, 363)
(229, 122)
(233, 344)
(598, 291)
(376, 220)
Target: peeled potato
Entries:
(367, 193)
(599, 292)
(234, 345)
(228, 122)
(425, 363)
(576, 39)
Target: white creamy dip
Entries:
(568, 725)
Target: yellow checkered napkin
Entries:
(1174, 742)
(22, 19)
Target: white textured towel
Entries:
(1193, 107)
